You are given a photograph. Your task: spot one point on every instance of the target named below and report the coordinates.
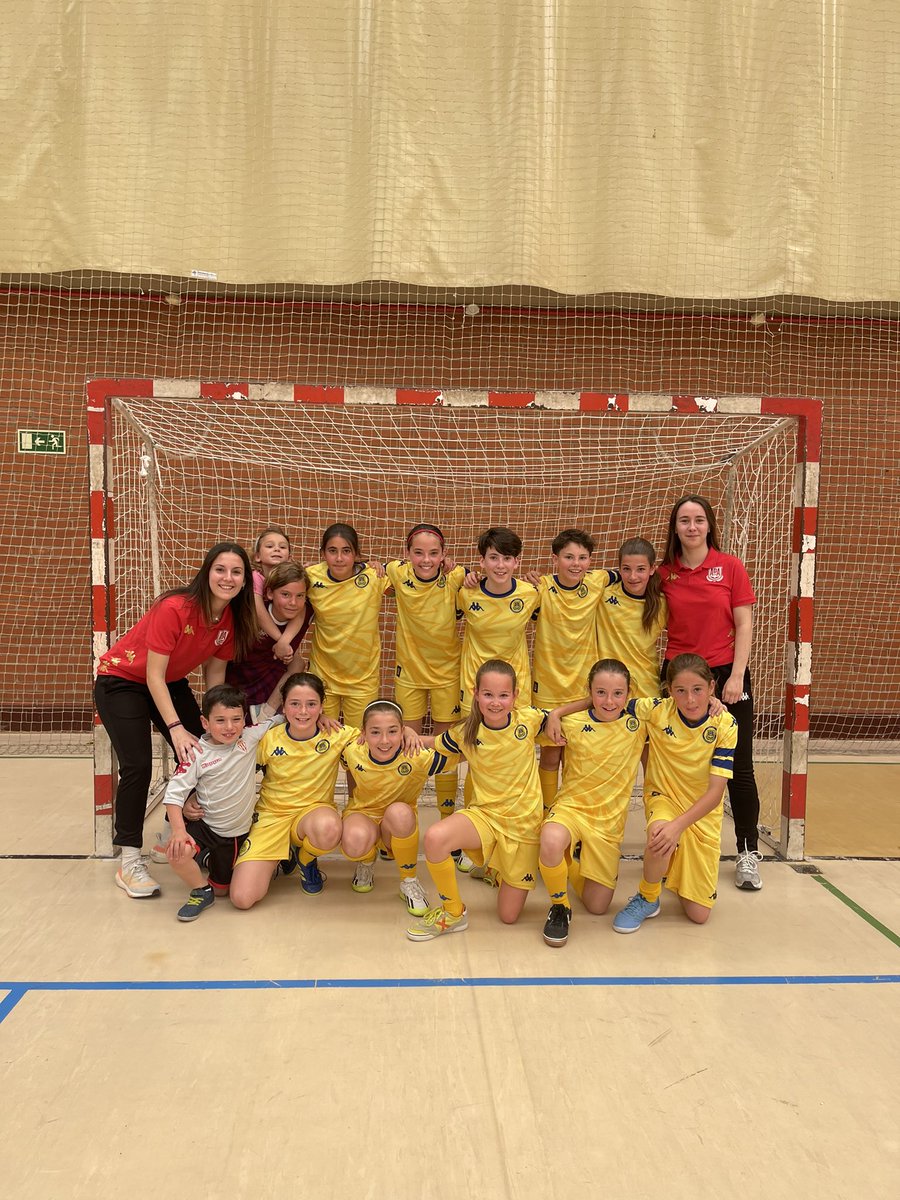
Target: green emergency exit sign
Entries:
(42, 441)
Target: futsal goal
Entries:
(176, 465)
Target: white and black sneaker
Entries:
(746, 871)
(556, 931)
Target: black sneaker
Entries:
(288, 865)
(200, 898)
(576, 851)
(556, 931)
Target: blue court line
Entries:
(20, 988)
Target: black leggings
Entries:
(128, 713)
(743, 794)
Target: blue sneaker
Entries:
(312, 880)
(200, 898)
(634, 914)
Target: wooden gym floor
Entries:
(307, 1047)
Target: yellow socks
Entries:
(308, 852)
(556, 879)
(444, 875)
(549, 785)
(445, 788)
(650, 891)
(406, 851)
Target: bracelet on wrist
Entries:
(174, 725)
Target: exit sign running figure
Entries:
(42, 441)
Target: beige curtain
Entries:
(706, 148)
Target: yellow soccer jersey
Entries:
(600, 763)
(300, 773)
(380, 784)
(503, 766)
(682, 756)
(495, 628)
(428, 644)
(621, 634)
(564, 638)
(346, 643)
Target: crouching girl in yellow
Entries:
(691, 760)
(381, 812)
(296, 803)
(501, 824)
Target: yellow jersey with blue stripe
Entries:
(379, 784)
(564, 637)
(429, 647)
(600, 764)
(684, 755)
(504, 772)
(300, 773)
(346, 641)
(495, 628)
(621, 634)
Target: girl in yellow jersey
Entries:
(345, 594)
(501, 823)
(426, 589)
(296, 803)
(603, 749)
(631, 615)
(691, 760)
(381, 810)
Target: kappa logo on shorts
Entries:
(521, 732)
(582, 591)
(529, 878)
(255, 818)
(709, 734)
(404, 769)
(632, 724)
(714, 895)
(456, 709)
(362, 581)
(516, 605)
(245, 846)
(322, 746)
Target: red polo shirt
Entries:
(173, 626)
(701, 603)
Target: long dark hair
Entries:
(474, 719)
(673, 541)
(243, 608)
(653, 594)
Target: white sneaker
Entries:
(414, 894)
(158, 849)
(137, 881)
(746, 871)
(462, 860)
(363, 877)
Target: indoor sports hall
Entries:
(538, 265)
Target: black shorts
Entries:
(217, 854)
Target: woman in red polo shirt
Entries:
(141, 682)
(710, 601)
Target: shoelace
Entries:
(414, 890)
(748, 859)
(140, 873)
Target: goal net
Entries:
(182, 472)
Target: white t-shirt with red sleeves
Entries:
(701, 604)
(173, 626)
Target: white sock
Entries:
(130, 855)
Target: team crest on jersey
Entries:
(442, 581)
(245, 846)
(709, 734)
(521, 732)
(362, 580)
(404, 769)
(516, 605)
(222, 637)
(322, 746)
(714, 575)
(632, 724)
(582, 591)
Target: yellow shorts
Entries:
(601, 845)
(352, 707)
(272, 834)
(414, 702)
(515, 862)
(693, 872)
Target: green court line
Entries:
(860, 912)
